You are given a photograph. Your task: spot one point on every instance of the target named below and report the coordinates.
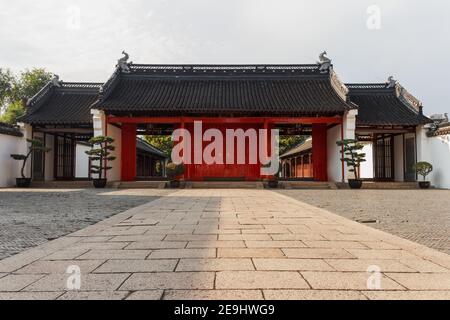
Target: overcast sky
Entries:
(82, 40)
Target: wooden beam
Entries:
(272, 120)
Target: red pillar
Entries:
(319, 149)
(128, 152)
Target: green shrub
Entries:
(423, 169)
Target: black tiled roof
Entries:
(68, 104)
(10, 130)
(147, 147)
(297, 89)
(380, 105)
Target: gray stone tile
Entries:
(169, 280)
(259, 280)
(132, 266)
(16, 282)
(213, 295)
(59, 266)
(89, 282)
(222, 264)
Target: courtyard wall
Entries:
(10, 143)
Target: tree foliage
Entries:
(100, 154)
(423, 169)
(35, 145)
(163, 143)
(174, 170)
(289, 142)
(14, 88)
(352, 155)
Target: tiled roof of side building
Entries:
(212, 89)
(147, 147)
(68, 103)
(10, 130)
(381, 104)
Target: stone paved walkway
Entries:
(227, 244)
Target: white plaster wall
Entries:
(399, 163)
(366, 169)
(439, 148)
(115, 173)
(435, 150)
(10, 168)
(334, 155)
(98, 118)
(81, 161)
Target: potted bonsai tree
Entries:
(423, 169)
(352, 156)
(35, 145)
(272, 180)
(101, 154)
(174, 171)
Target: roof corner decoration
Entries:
(403, 94)
(407, 97)
(391, 83)
(340, 88)
(122, 64)
(324, 63)
(56, 82)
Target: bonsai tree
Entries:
(35, 145)
(101, 154)
(173, 172)
(352, 156)
(272, 179)
(423, 169)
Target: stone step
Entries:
(307, 185)
(225, 185)
(140, 185)
(62, 184)
(383, 185)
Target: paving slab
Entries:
(169, 280)
(215, 264)
(260, 280)
(313, 295)
(227, 244)
(213, 295)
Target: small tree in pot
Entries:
(353, 158)
(174, 171)
(424, 169)
(101, 154)
(35, 145)
(272, 180)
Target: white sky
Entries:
(81, 40)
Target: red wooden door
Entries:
(224, 171)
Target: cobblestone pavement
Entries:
(32, 217)
(227, 244)
(417, 215)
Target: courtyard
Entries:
(231, 244)
(32, 217)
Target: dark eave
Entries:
(223, 89)
(381, 105)
(148, 148)
(10, 130)
(67, 104)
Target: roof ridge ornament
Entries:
(324, 62)
(391, 83)
(56, 82)
(123, 64)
